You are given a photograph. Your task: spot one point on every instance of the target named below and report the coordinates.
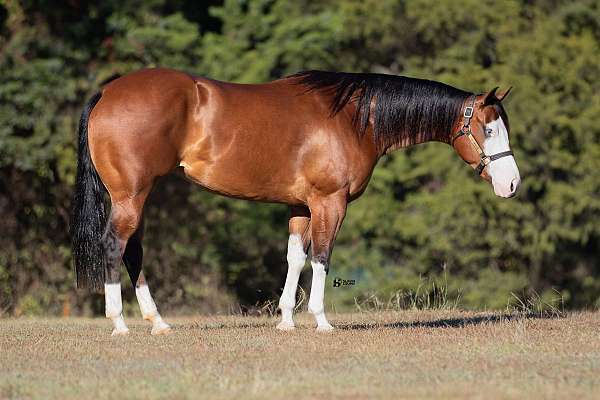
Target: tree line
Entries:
(425, 219)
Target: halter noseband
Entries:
(484, 159)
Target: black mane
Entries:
(406, 110)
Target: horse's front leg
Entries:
(298, 242)
(327, 214)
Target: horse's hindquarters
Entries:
(137, 128)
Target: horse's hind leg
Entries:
(124, 219)
(133, 261)
(298, 242)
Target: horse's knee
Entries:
(321, 257)
(296, 256)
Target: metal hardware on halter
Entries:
(468, 112)
(465, 130)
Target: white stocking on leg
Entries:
(317, 293)
(114, 308)
(149, 310)
(295, 258)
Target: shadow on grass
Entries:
(437, 323)
(451, 322)
(220, 325)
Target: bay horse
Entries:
(310, 140)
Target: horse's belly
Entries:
(245, 182)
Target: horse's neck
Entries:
(408, 142)
(405, 141)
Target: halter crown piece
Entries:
(465, 130)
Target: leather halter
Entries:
(465, 130)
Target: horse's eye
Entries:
(489, 132)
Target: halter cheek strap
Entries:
(465, 130)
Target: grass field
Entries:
(408, 354)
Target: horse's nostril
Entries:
(514, 185)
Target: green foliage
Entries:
(424, 215)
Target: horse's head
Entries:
(482, 142)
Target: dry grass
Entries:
(407, 354)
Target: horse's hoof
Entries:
(120, 332)
(324, 328)
(161, 330)
(286, 326)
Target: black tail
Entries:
(89, 216)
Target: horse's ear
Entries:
(490, 97)
(502, 96)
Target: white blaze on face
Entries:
(503, 171)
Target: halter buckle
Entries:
(468, 112)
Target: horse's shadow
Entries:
(451, 322)
(438, 323)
